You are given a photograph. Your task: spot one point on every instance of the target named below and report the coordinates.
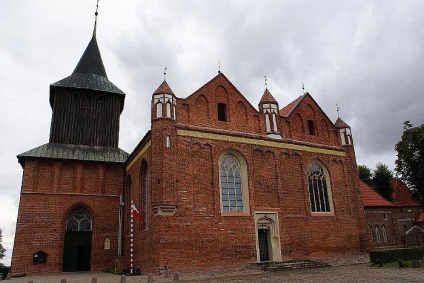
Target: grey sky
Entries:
(367, 56)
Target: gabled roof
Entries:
(221, 75)
(286, 110)
(76, 152)
(402, 196)
(340, 124)
(163, 88)
(267, 97)
(370, 197)
(89, 73)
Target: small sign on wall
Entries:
(39, 257)
(107, 244)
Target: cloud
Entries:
(365, 56)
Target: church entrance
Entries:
(267, 236)
(263, 244)
(77, 244)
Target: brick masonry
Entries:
(175, 185)
(186, 175)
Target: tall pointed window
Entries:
(377, 234)
(233, 183)
(319, 190)
(383, 231)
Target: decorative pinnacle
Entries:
(266, 81)
(337, 109)
(219, 67)
(303, 87)
(164, 73)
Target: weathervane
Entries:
(337, 109)
(95, 19)
(164, 74)
(266, 81)
(219, 67)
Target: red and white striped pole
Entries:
(132, 239)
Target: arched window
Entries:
(383, 231)
(372, 233)
(79, 219)
(377, 234)
(233, 183)
(319, 188)
(159, 109)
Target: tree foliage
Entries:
(365, 174)
(2, 250)
(382, 181)
(410, 159)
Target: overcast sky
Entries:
(367, 56)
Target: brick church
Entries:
(217, 182)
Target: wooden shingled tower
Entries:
(72, 186)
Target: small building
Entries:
(393, 224)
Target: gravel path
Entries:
(345, 274)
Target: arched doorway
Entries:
(267, 236)
(77, 245)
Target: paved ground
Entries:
(344, 274)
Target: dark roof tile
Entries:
(76, 152)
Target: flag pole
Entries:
(132, 238)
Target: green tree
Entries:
(2, 250)
(365, 174)
(382, 181)
(410, 159)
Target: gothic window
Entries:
(159, 109)
(222, 112)
(311, 127)
(168, 109)
(319, 188)
(267, 123)
(372, 233)
(377, 234)
(233, 183)
(79, 219)
(383, 231)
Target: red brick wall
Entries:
(186, 175)
(50, 189)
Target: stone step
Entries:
(289, 265)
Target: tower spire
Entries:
(95, 19)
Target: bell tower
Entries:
(86, 105)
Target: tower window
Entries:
(222, 112)
(311, 127)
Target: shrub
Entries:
(379, 262)
(402, 263)
(108, 270)
(390, 255)
(416, 263)
(5, 270)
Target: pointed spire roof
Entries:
(89, 73)
(91, 61)
(164, 88)
(267, 97)
(340, 124)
